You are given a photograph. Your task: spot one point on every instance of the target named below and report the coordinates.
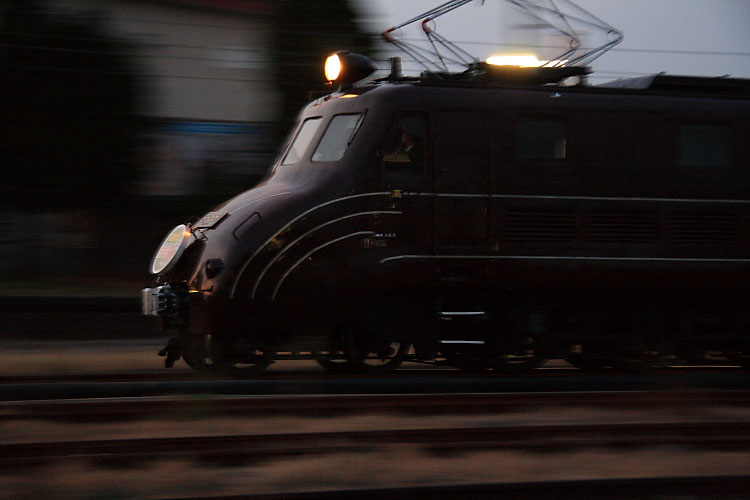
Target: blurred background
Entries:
(123, 118)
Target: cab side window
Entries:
(542, 140)
(404, 153)
(705, 145)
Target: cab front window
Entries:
(302, 141)
(338, 136)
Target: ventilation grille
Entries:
(619, 228)
(623, 228)
(549, 227)
(703, 229)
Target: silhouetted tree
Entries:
(68, 99)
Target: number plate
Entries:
(210, 220)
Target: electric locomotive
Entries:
(492, 218)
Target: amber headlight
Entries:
(346, 68)
(171, 249)
(332, 67)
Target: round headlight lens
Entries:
(170, 249)
(347, 67)
(333, 67)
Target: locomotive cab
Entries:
(254, 275)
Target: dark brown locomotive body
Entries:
(581, 222)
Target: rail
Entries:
(693, 487)
(308, 405)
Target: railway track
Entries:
(179, 374)
(98, 409)
(432, 383)
(409, 429)
(707, 435)
(691, 487)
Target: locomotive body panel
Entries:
(477, 216)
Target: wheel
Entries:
(193, 350)
(334, 359)
(516, 363)
(468, 364)
(367, 354)
(642, 356)
(467, 360)
(640, 361)
(583, 362)
(332, 362)
(635, 363)
(582, 356)
(523, 358)
(739, 358)
(239, 358)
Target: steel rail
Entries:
(189, 375)
(716, 487)
(702, 435)
(360, 386)
(311, 405)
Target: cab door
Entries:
(403, 239)
(461, 184)
(406, 174)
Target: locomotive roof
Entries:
(347, 68)
(721, 85)
(483, 74)
(487, 76)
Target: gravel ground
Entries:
(388, 466)
(45, 357)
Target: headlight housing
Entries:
(346, 68)
(171, 249)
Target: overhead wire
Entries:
(228, 63)
(344, 36)
(144, 54)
